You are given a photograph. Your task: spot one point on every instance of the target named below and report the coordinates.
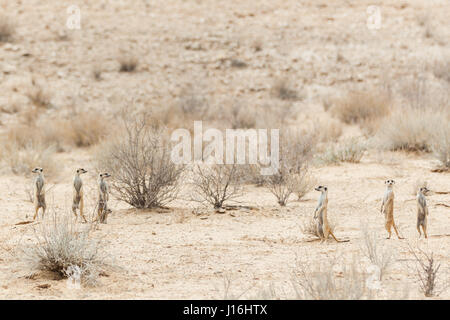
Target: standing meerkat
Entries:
(78, 196)
(320, 213)
(422, 211)
(103, 197)
(387, 208)
(39, 192)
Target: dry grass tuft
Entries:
(282, 89)
(351, 150)
(86, 129)
(7, 29)
(441, 70)
(380, 256)
(362, 107)
(128, 63)
(22, 159)
(411, 129)
(310, 227)
(67, 249)
(322, 282)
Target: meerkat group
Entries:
(78, 195)
(320, 213)
(387, 208)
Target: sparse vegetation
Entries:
(351, 150)
(441, 145)
(7, 29)
(295, 152)
(128, 63)
(362, 107)
(22, 159)
(322, 282)
(309, 227)
(39, 97)
(216, 184)
(441, 70)
(427, 270)
(139, 161)
(380, 256)
(410, 130)
(284, 91)
(61, 246)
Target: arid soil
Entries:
(323, 48)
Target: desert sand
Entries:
(323, 47)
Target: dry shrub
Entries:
(128, 63)
(427, 270)
(329, 130)
(65, 248)
(296, 150)
(241, 117)
(362, 107)
(22, 159)
(350, 150)
(310, 227)
(283, 90)
(86, 129)
(139, 161)
(441, 145)
(7, 29)
(216, 184)
(39, 97)
(411, 129)
(441, 70)
(380, 256)
(322, 282)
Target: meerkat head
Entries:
(105, 175)
(37, 170)
(424, 190)
(321, 188)
(389, 182)
(81, 171)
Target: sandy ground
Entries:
(322, 47)
(167, 255)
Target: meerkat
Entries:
(422, 211)
(103, 197)
(78, 196)
(320, 213)
(39, 192)
(387, 208)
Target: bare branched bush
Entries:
(128, 63)
(216, 184)
(143, 174)
(323, 283)
(62, 245)
(362, 107)
(7, 29)
(351, 150)
(427, 270)
(411, 129)
(380, 256)
(296, 150)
